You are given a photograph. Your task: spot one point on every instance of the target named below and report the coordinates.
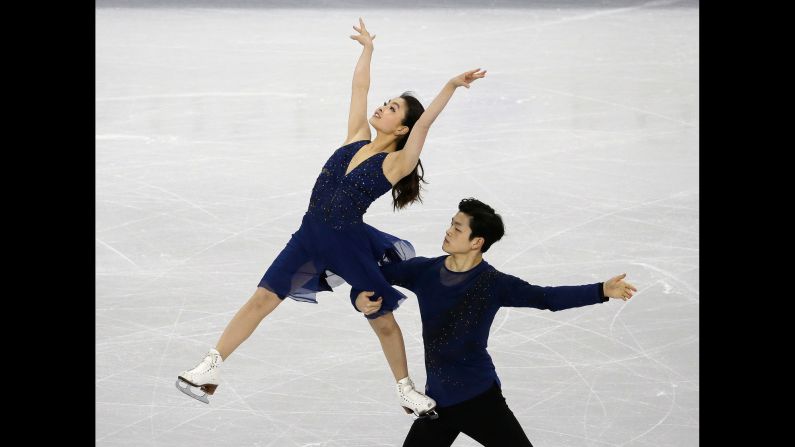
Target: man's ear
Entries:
(477, 243)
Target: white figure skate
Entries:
(203, 376)
(414, 402)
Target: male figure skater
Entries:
(459, 295)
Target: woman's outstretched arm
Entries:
(406, 160)
(358, 127)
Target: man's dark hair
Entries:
(483, 221)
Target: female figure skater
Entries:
(333, 242)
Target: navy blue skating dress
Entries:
(333, 244)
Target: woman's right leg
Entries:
(279, 276)
(242, 325)
(205, 375)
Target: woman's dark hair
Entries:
(483, 221)
(407, 190)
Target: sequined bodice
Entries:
(341, 200)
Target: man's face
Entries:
(456, 238)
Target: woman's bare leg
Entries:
(391, 339)
(246, 320)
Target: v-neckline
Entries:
(362, 162)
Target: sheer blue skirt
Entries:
(318, 257)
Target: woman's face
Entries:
(388, 117)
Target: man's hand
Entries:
(365, 305)
(615, 287)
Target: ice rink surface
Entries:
(213, 123)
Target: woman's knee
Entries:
(264, 298)
(385, 325)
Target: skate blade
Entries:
(189, 391)
(432, 414)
